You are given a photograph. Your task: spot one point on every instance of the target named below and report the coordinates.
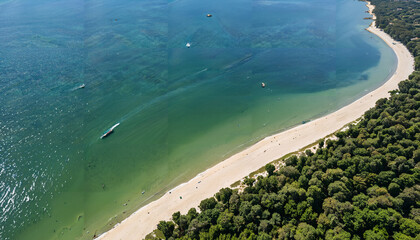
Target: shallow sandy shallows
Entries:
(207, 183)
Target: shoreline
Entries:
(207, 183)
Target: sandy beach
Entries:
(207, 183)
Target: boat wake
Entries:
(78, 87)
(184, 84)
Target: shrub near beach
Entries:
(363, 185)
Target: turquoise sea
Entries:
(181, 109)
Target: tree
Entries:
(256, 211)
(175, 217)
(238, 223)
(401, 236)
(183, 223)
(264, 236)
(409, 227)
(375, 234)
(416, 155)
(394, 189)
(275, 219)
(224, 195)
(410, 196)
(385, 177)
(166, 228)
(338, 190)
(309, 216)
(245, 209)
(194, 228)
(214, 231)
(317, 195)
(337, 234)
(225, 221)
(192, 213)
(249, 181)
(321, 143)
(234, 202)
(286, 232)
(270, 169)
(208, 203)
(265, 226)
(305, 231)
(290, 172)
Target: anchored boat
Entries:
(109, 131)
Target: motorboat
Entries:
(109, 131)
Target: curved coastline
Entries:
(207, 183)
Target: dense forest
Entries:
(401, 20)
(363, 184)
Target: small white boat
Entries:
(263, 85)
(188, 45)
(109, 131)
(81, 86)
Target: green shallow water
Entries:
(181, 109)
